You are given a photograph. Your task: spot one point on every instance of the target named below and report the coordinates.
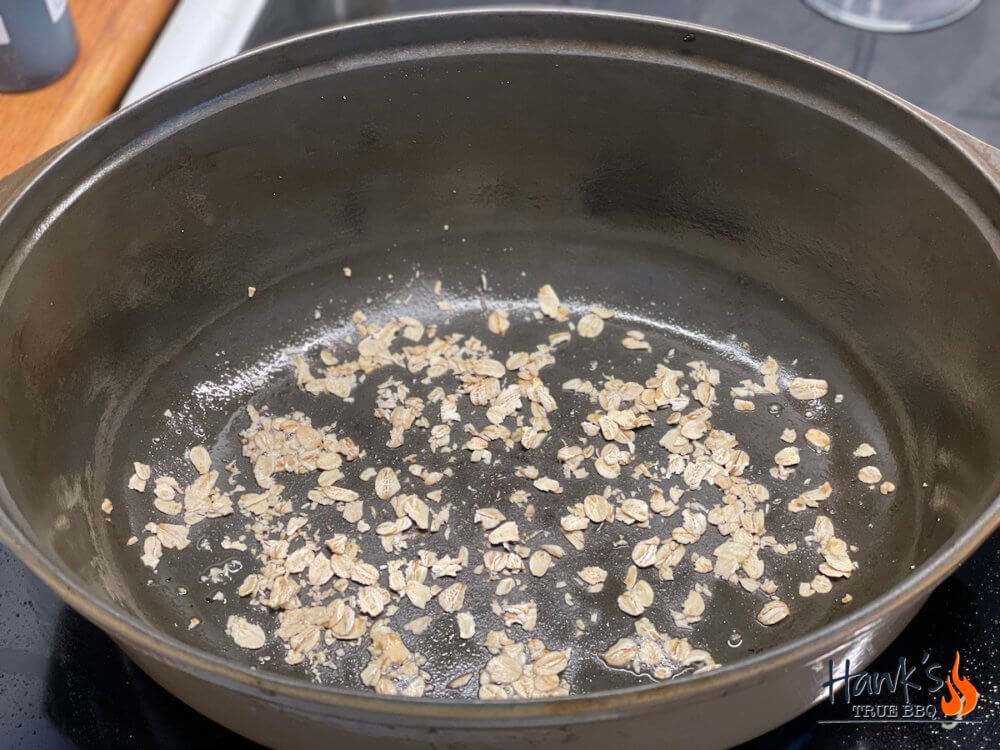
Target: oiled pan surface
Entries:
(682, 306)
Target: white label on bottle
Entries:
(56, 9)
(4, 36)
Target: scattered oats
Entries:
(450, 599)
(201, 459)
(548, 303)
(545, 484)
(636, 598)
(869, 475)
(787, 457)
(521, 670)
(864, 451)
(593, 575)
(539, 563)
(459, 682)
(574, 522)
(245, 634)
(413, 329)
(140, 476)
(418, 593)
(393, 669)
(846, 599)
(524, 614)
(168, 507)
(416, 510)
(251, 291)
(528, 472)
(193, 623)
(472, 404)
(597, 509)
(818, 439)
(590, 326)
(419, 625)
(107, 507)
(694, 605)
(636, 340)
(811, 498)
(488, 518)
(170, 535)
(152, 551)
(702, 564)
(656, 653)
(555, 550)
(644, 553)
(386, 483)
(498, 322)
(621, 653)
(372, 600)
(806, 389)
(821, 584)
(347, 271)
(773, 612)
(887, 487)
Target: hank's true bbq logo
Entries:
(912, 693)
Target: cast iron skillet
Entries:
(729, 198)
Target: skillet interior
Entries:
(710, 212)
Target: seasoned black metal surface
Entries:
(680, 304)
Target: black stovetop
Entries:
(64, 684)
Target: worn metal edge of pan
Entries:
(121, 625)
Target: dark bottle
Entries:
(37, 43)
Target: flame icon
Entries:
(963, 694)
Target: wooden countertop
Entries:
(114, 39)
